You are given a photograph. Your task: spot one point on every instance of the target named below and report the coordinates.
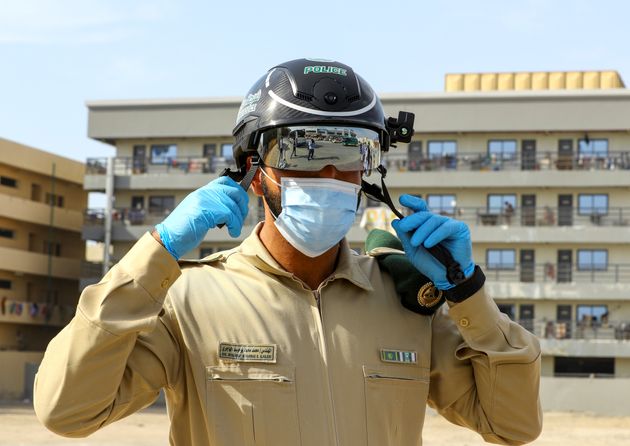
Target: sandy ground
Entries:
(18, 426)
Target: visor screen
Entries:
(309, 148)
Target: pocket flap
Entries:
(403, 372)
(236, 372)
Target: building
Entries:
(41, 215)
(538, 165)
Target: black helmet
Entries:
(307, 91)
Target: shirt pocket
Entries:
(252, 405)
(395, 404)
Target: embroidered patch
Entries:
(248, 352)
(399, 356)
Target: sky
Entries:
(57, 54)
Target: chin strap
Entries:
(244, 180)
(454, 273)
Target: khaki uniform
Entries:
(249, 355)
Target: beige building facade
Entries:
(41, 215)
(538, 167)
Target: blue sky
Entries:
(56, 54)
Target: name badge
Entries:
(248, 352)
(399, 356)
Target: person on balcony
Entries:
(291, 338)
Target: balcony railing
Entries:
(35, 313)
(540, 216)
(482, 161)
(578, 330)
(138, 166)
(545, 216)
(140, 217)
(394, 161)
(558, 273)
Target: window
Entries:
(503, 149)
(583, 367)
(592, 314)
(439, 149)
(161, 205)
(226, 151)
(5, 284)
(7, 233)
(54, 200)
(137, 202)
(593, 148)
(163, 153)
(526, 317)
(592, 260)
(442, 204)
(414, 155)
(52, 248)
(501, 203)
(209, 150)
(501, 259)
(9, 182)
(508, 309)
(592, 204)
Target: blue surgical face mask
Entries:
(316, 212)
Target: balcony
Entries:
(141, 173)
(579, 330)
(540, 216)
(138, 166)
(394, 161)
(524, 225)
(559, 274)
(479, 170)
(35, 263)
(129, 224)
(483, 161)
(39, 213)
(35, 313)
(584, 338)
(544, 169)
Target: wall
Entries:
(596, 395)
(32, 237)
(74, 197)
(189, 147)
(13, 364)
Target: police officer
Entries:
(290, 338)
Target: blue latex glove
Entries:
(221, 201)
(424, 229)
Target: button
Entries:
(463, 322)
(164, 283)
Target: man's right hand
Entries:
(221, 201)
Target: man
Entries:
(291, 338)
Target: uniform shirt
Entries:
(249, 355)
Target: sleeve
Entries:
(118, 351)
(485, 372)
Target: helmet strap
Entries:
(380, 193)
(249, 175)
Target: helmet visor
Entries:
(311, 148)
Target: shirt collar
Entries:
(348, 267)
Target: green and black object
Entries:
(389, 253)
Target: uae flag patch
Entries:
(398, 356)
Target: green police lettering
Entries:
(325, 69)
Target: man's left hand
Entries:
(424, 229)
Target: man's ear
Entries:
(256, 181)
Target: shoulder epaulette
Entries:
(415, 290)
